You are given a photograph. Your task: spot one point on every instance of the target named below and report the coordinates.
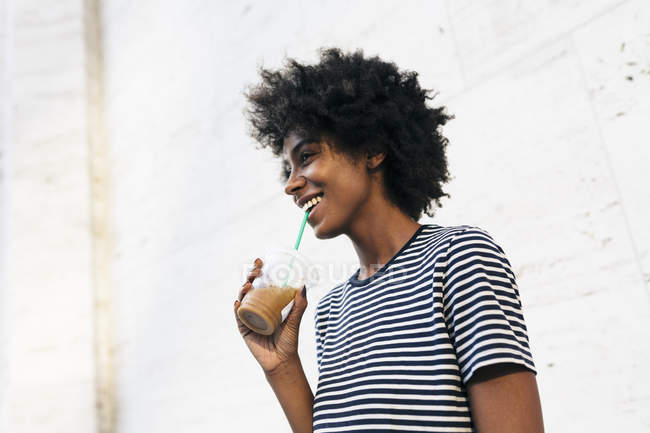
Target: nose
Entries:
(294, 184)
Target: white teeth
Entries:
(311, 203)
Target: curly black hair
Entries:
(367, 105)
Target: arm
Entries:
(277, 354)
(504, 399)
(294, 394)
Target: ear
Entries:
(374, 161)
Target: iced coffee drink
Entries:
(268, 303)
(261, 309)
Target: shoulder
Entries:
(457, 247)
(474, 244)
(468, 238)
(473, 256)
(443, 239)
(464, 231)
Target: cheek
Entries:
(347, 188)
(344, 183)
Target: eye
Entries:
(304, 156)
(285, 172)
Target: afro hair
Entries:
(366, 105)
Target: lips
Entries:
(309, 200)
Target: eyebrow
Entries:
(297, 147)
(301, 143)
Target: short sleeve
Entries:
(481, 304)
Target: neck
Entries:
(378, 233)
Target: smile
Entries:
(311, 203)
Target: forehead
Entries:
(290, 142)
(295, 141)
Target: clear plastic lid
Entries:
(286, 268)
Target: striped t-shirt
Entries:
(395, 351)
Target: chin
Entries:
(323, 232)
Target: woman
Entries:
(428, 334)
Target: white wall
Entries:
(5, 105)
(548, 150)
(46, 342)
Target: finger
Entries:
(301, 297)
(243, 329)
(245, 289)
(257, 263)
(253, 274)
(235, 308)
(294, 317)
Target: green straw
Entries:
(295, 247)
(302, 229)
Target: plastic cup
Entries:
(269, 301)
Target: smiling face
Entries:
(313, 167)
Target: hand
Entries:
(271, 351)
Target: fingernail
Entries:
(304, 291)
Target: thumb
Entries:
(298, 309)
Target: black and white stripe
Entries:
(396, 350)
